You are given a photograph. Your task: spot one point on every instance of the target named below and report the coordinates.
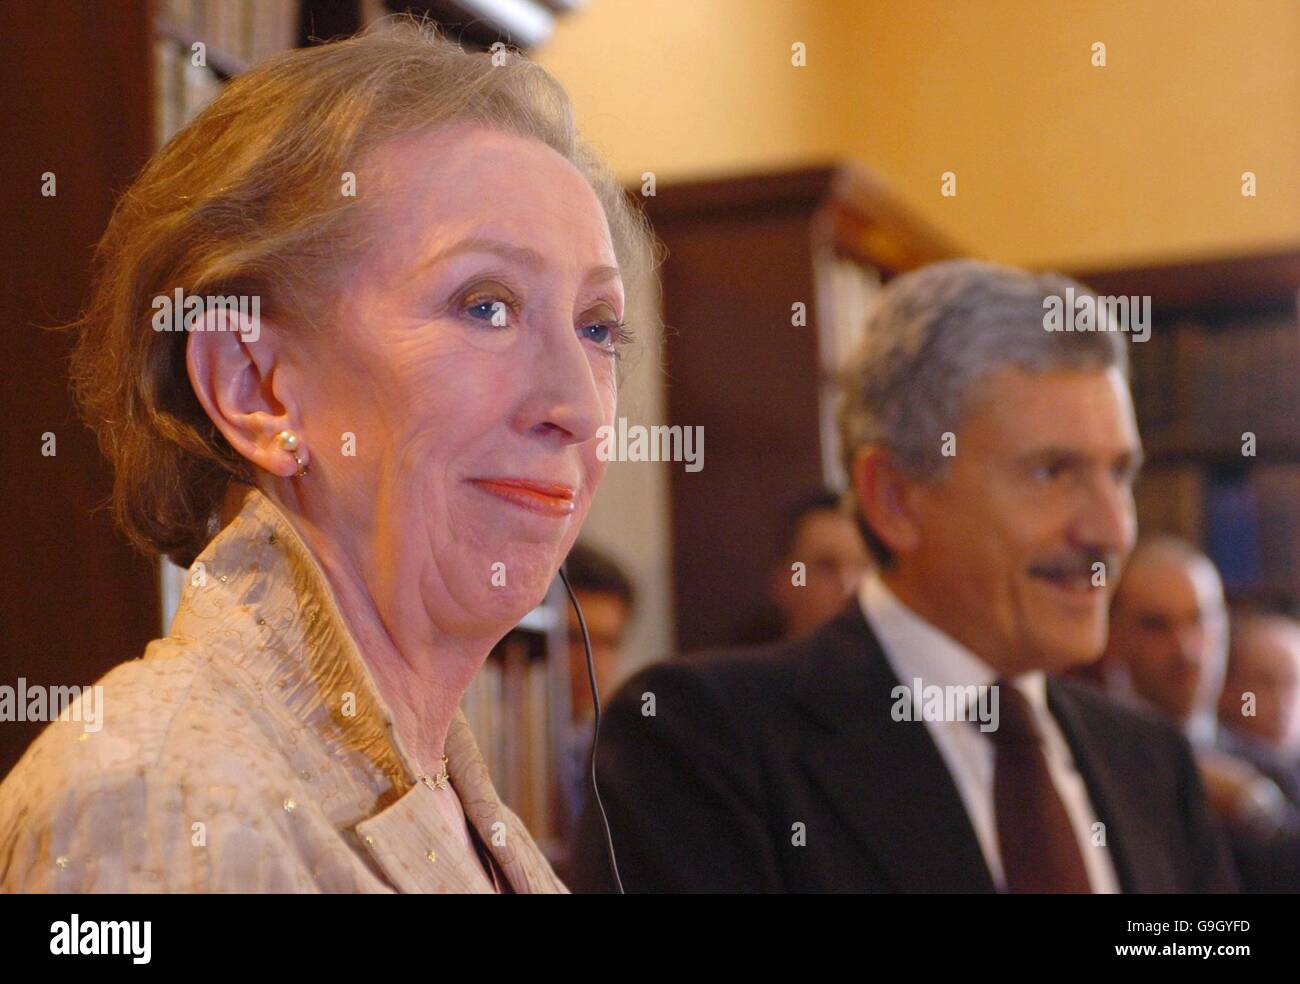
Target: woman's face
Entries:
(472, 360)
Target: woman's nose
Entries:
(566, 398)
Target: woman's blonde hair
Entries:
(247, 199)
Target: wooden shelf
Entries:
(741, 251)
(1223, 359)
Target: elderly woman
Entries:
(373, 472)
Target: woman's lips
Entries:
(545, 498)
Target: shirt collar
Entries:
(1202, 729)
(917, 649)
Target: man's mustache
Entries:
(1076, 563)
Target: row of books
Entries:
(1276, 491)
(1200, 389)
(239, 33)
(510, 709)
(181, 89)
(1248, 521)
(236, 34)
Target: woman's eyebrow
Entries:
(521, 255)
(524, 256)
(599, 274)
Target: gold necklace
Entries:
(440, 780)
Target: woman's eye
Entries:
(601, 334)
(490, 303)
(494, 311)
(608, 335)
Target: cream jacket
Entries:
(249, 751)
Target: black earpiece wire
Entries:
(595, 732)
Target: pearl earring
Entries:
(289, 442)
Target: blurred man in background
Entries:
(605, 593)
(818, 564)
(1168, 643)
(607, 598)
(1169, 634)
(1260, 704)
(826, 541)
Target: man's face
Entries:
(606, 615)
(1266, 663)
(830, 547)
(1038, 492)
(1169, 629)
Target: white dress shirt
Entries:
(916, 649)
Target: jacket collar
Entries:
(871, 767)
(886, 779)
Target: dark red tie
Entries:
(1040, 852)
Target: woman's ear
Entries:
(242, 381)
(882, 491)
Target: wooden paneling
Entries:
(1206, 287)
(741, 252)
(75, 599)
(738, 369)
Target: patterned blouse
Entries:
(250, 751)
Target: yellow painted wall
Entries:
(687, 87)
(1057, 162)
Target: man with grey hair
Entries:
(921, 741)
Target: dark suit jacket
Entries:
(1266, 861)
(745, 745)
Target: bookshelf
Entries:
(766, 289)
(514, 706)
(1222, 364)
(234, 35)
